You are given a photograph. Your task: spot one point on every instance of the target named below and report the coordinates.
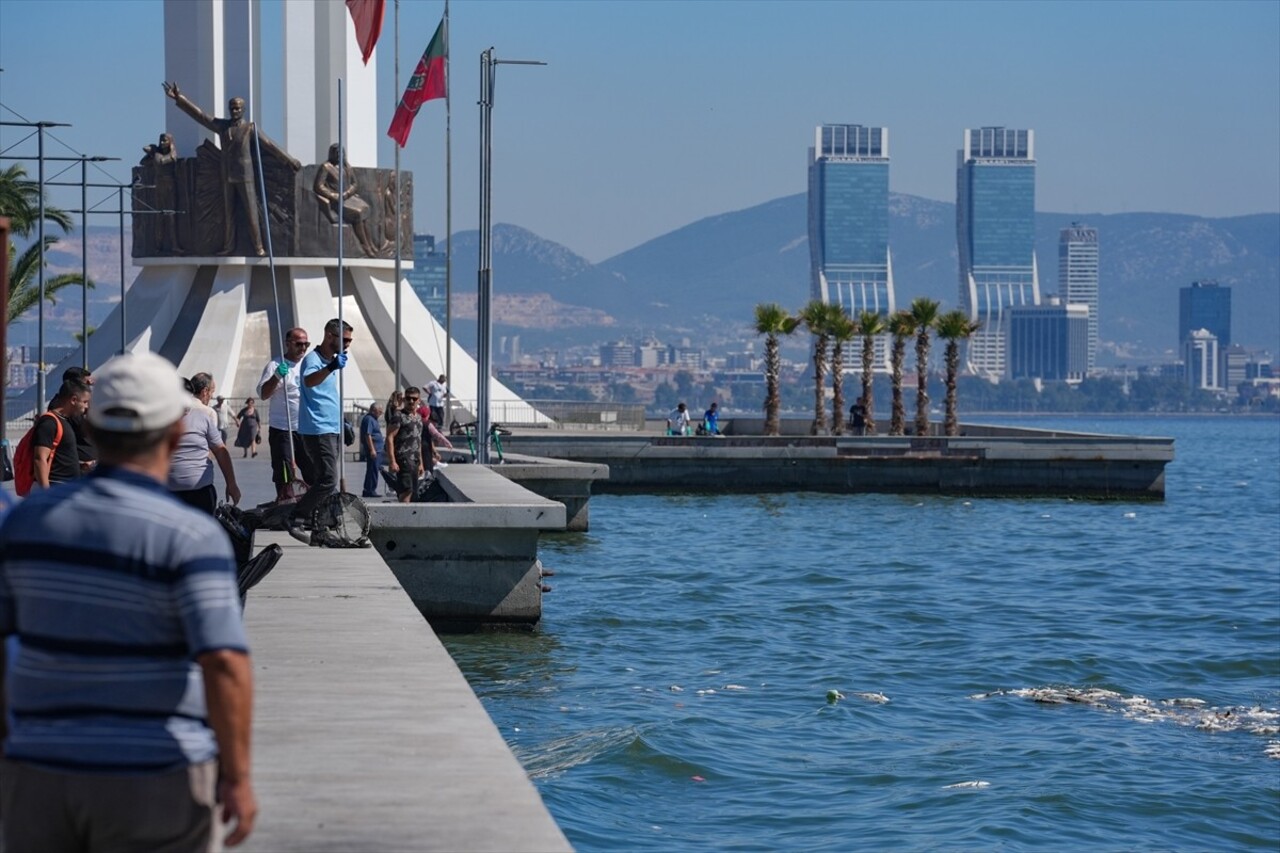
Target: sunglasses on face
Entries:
(412, 399)
(303, 344)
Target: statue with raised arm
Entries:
(236, 138)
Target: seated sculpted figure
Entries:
(346, 207)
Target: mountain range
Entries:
(703, 281)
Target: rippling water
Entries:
(712, 672)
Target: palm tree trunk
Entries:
(837, 387)
(819, 386)
(772, 402)
(898, 421)
(952, 425)
(922, 382)
(868, 358)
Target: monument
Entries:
(205, 297)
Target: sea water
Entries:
(844, 672)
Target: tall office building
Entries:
(1200, 355)
(1205, 305)
(849, 221)
(1048, 341)
(427, 278)
(1078, 277)
(995, 236)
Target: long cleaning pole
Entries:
(84, 262)
(342, 329)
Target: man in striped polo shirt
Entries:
(128, 690)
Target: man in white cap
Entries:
(128, 703)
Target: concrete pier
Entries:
(366, 735)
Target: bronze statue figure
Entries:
(345, 208)
(163, 159)
(236, 136)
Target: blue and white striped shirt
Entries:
(113, 588)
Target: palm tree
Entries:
(953, 327)
(843, 330)
(902, 326)
(20, 201)
(925, 313)
(870, 324)
(772, 320)
(817, 317)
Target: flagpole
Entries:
(396, 384)
(448, 208)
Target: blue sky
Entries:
(651, 115)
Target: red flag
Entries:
(426, 84)
(367, 16)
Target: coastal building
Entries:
(850, 263)
(1048, 341)
(428, 276)
(1078, 277)
(619, 354)
(1205, 305)
(1200, 355)
(995, 237)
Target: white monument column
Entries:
(194, 59)
(242, 54)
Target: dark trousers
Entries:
(278, 442)
(205, 500)
(372, 479)
(321, 456)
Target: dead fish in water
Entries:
(878, 698)
(976, 783)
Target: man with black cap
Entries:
(128, 704)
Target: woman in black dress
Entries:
(248, 436)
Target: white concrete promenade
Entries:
(366, 735)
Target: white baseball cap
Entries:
(137, 392)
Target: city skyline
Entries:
(651, 116)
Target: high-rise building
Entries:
(1048, 341)
(995, 236)
(850, 263)
(1200, 355)
(1078, 277)
(427, 278)
(1205, 305)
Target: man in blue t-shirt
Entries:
(320, 425)
(128, 699)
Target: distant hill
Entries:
(701, 279)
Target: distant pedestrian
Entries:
(250, 433)
(406, 453)
(711, 420)
(222, 409)
(437, 394)
(130, 689)
(371, 447)
(858, 416)
(191, 467)
(84, 444)
(678, 421)
(57, 459)
(282, 429)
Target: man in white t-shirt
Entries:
(437, 392)
(283, 422)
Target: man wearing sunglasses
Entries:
(320, 423)
(283, 421)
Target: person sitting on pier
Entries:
(128, 721)
(678, 420)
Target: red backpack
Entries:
(24, 457)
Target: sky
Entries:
(651, 114)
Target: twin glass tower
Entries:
(851, 261)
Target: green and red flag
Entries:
(367, 17)
(426, 84)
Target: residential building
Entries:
(995, 237)
(1048, 341)
(850, 262)
(1200, 355)
(1078, 277)
(1205, 305)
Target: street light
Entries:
(484, 346)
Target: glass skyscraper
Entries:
(849, 221)
(1078, 277)
(995, 236)
(427, 278)
(1205, 305)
